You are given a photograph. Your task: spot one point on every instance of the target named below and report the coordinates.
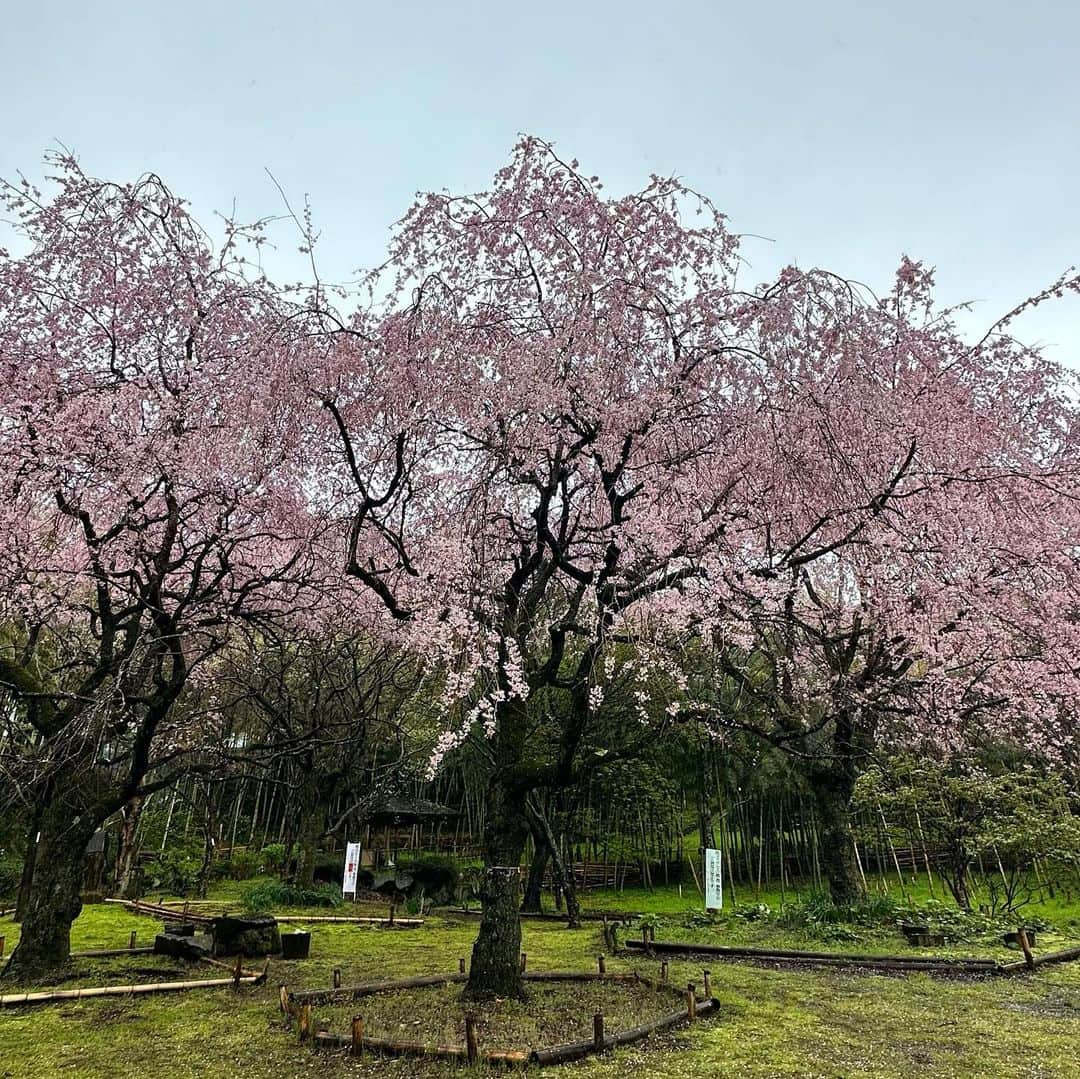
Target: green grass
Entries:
(771, 1023)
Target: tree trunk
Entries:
(55, 893)
(496, 956)
(125, 856)
(534, 885)
(311, 830)
(564, 876)
(29, 861)
(832, 797)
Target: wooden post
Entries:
(3, 940)
(708, 983)
(238, 970)
(1025, 945)
(663, 970)
(601, 966)
(357, 1046)
(337, 977)
(461, 965)
(472, 1050)
(523, 962)
(283, 998)
(691, 1001)
(305, 1023)
(131, 939)
(598, 1032)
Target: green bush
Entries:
(275, 893)
(756, 912)
(175, 871)
(272, 857)
(816, 909)
(435, 875)
(242, 865)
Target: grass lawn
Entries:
(771, 1022)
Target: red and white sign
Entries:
(352, 864)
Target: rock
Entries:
(246, 934)
(180, 929)
(196, 946)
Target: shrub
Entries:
(816, 909)
(175, 871)
(434, 875)
(242, 865)
(272, 857)
(756, 912)
(275, 893)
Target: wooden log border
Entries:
(397, 923)
(945, 965)
(14, 1000)
(174, 912)
(298, 1005)
(240, 975)
(546, 916)
(165, 914)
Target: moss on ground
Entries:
(772, 1023)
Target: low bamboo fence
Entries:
(299, 1006)
(944, 965)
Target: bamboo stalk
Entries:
(15, 999)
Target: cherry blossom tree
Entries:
(574, 409)
(150, 498)
(917, 584)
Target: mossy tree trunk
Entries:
(833, 782)
(495, 970)
(55, 896)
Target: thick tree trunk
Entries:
(310, 831)
(55, 893)
(496, 957)
(125, 856)
(832, 797)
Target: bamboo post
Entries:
(472, 1050)
(598, 1032)
(524, 960)
(305, 1022)
(663, 970)
(131, 939)
(1025, 945)
(691, 1000)
(3, 940)
(357, 1047)
(238, 970)
(708, 983)
(337, 977)
(601, 966)
(461, 965)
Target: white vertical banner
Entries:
(352, 864)
(714, 880)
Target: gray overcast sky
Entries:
(847, 132)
